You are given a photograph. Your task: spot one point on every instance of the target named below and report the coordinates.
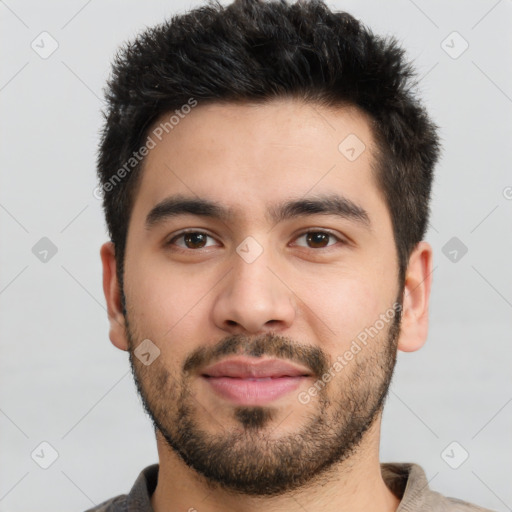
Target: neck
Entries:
(354, 485)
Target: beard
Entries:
(252, 459)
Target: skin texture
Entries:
(302, 300)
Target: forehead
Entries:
(248, 154)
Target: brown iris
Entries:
(317, 239)
(195, 240)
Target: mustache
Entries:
(268, 344)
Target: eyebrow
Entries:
(332, 204)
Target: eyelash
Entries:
(183, 233)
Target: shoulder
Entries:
(117, 504)
(139, 497)
(449, 504)
(408, 482)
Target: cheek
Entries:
(346, 305)
(151, 297)
(165, 305)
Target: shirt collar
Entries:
(406, 480)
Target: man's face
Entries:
(298, 287)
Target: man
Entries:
(266, 172)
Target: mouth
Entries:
(245, 381)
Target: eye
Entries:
(191, 240)
(318, 239)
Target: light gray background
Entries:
(61, 380)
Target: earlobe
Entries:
(112, 293)
(418, 280)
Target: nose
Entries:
(253, 299)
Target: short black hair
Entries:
(256, 51)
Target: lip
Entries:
(245, 381)
(245, 368)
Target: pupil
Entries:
(194, 239)
(317, 238)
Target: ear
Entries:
(418, 279)
(112, 293)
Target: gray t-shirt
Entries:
(406, 480)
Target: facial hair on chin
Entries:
(250, 460)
